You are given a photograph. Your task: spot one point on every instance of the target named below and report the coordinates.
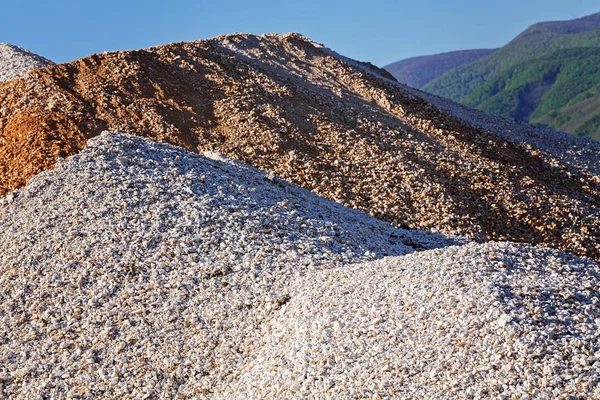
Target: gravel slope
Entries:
(16, 61)
(136, 268)
(578, 152)
(495, 320)
(340, 128)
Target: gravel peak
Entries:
(16, 61)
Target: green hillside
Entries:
(418, 71)
(549, 75)
(560, 91)
(538, 41)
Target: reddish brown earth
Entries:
(342, 130)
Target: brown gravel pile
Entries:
(339, 128)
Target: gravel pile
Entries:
(16, 61)
(579, 152)
(138, 269)
(337, 127)
(495, 320)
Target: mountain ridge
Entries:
(420, 70)
(508, 82)
(525, 46)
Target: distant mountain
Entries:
(16, 61)
(537, 41)
(418, 71)
(549, 74)
(561, 91)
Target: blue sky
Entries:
(380, 31)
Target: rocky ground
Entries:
(139, 270)
(342, 129)
(16, 61)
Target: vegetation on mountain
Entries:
(418, 71)
(548, 75)
(548, 91)
(538, 41)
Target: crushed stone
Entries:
(16, 61)
(339, 128)
(138, 269)
(495, 320)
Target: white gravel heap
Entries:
(137, 269)
(16, 61)
(495, 320)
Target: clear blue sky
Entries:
(380, 31)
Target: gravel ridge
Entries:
(16, 61)
(495, 320)
(337, 127)
(136, 269)
(579, 152)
